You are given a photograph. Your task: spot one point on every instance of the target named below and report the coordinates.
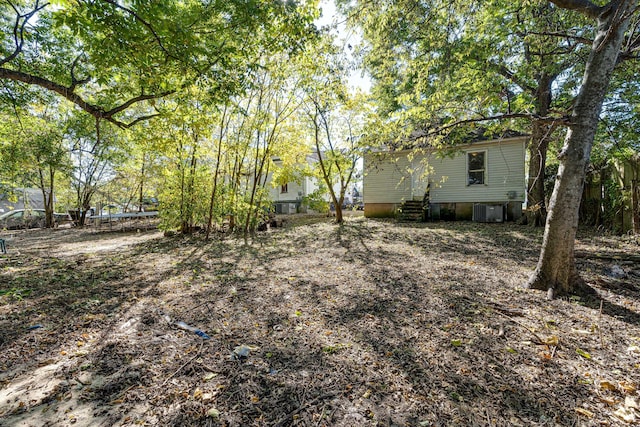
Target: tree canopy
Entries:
(107, 56)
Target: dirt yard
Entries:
(373, 323)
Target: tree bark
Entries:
(635, 205)
(538, 147)
(556, 271)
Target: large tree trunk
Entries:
(556, 270)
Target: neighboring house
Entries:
(21, 198)
(287, 197)
(483, 180)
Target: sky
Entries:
(330, 16)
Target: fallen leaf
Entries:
(630, 402)
(607, 385)
(545, 355)
(626, 415)
(584, 412)
(213, 413)
(608, 400)
(583, 353)
(456, 343)
(628, 387)
(209, 376)
(633, 349)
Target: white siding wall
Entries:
(386, 179)
(505, 172)
(292, 192)
(295, 191)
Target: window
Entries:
(285, 188)
(476, 167)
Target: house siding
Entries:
(293, 194)
(391, 178)
(386, 178)
(296, 191)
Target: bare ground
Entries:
(372, 323)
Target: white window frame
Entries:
(484, 171)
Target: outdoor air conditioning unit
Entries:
(288, 208)
(488, 213)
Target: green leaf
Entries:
(583, 353)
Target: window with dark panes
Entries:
(284, 188)
(476, 167)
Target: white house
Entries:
(288, 196)
(483, 180)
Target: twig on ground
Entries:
(300, 408)
(598, 325)
(540, 340)
(122, 395)
(184, 365)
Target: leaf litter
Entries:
(371, 323)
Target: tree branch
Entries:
(578, 39)
(68, 93)
(74, 80)
(138, 120)
(143, 22)
(132, 101)
(511, 76)
(440, 130)
(585, 7)
(18, 29)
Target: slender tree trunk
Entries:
(142, 171)
(48, 212)
(217, 171)
(635, 206)
(556, 270)
(189, 220)
(50, 209)
(540, 136)
(635, 193)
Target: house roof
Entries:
(459, 135)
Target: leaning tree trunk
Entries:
(556, 270)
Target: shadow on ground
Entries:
(368, 323)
